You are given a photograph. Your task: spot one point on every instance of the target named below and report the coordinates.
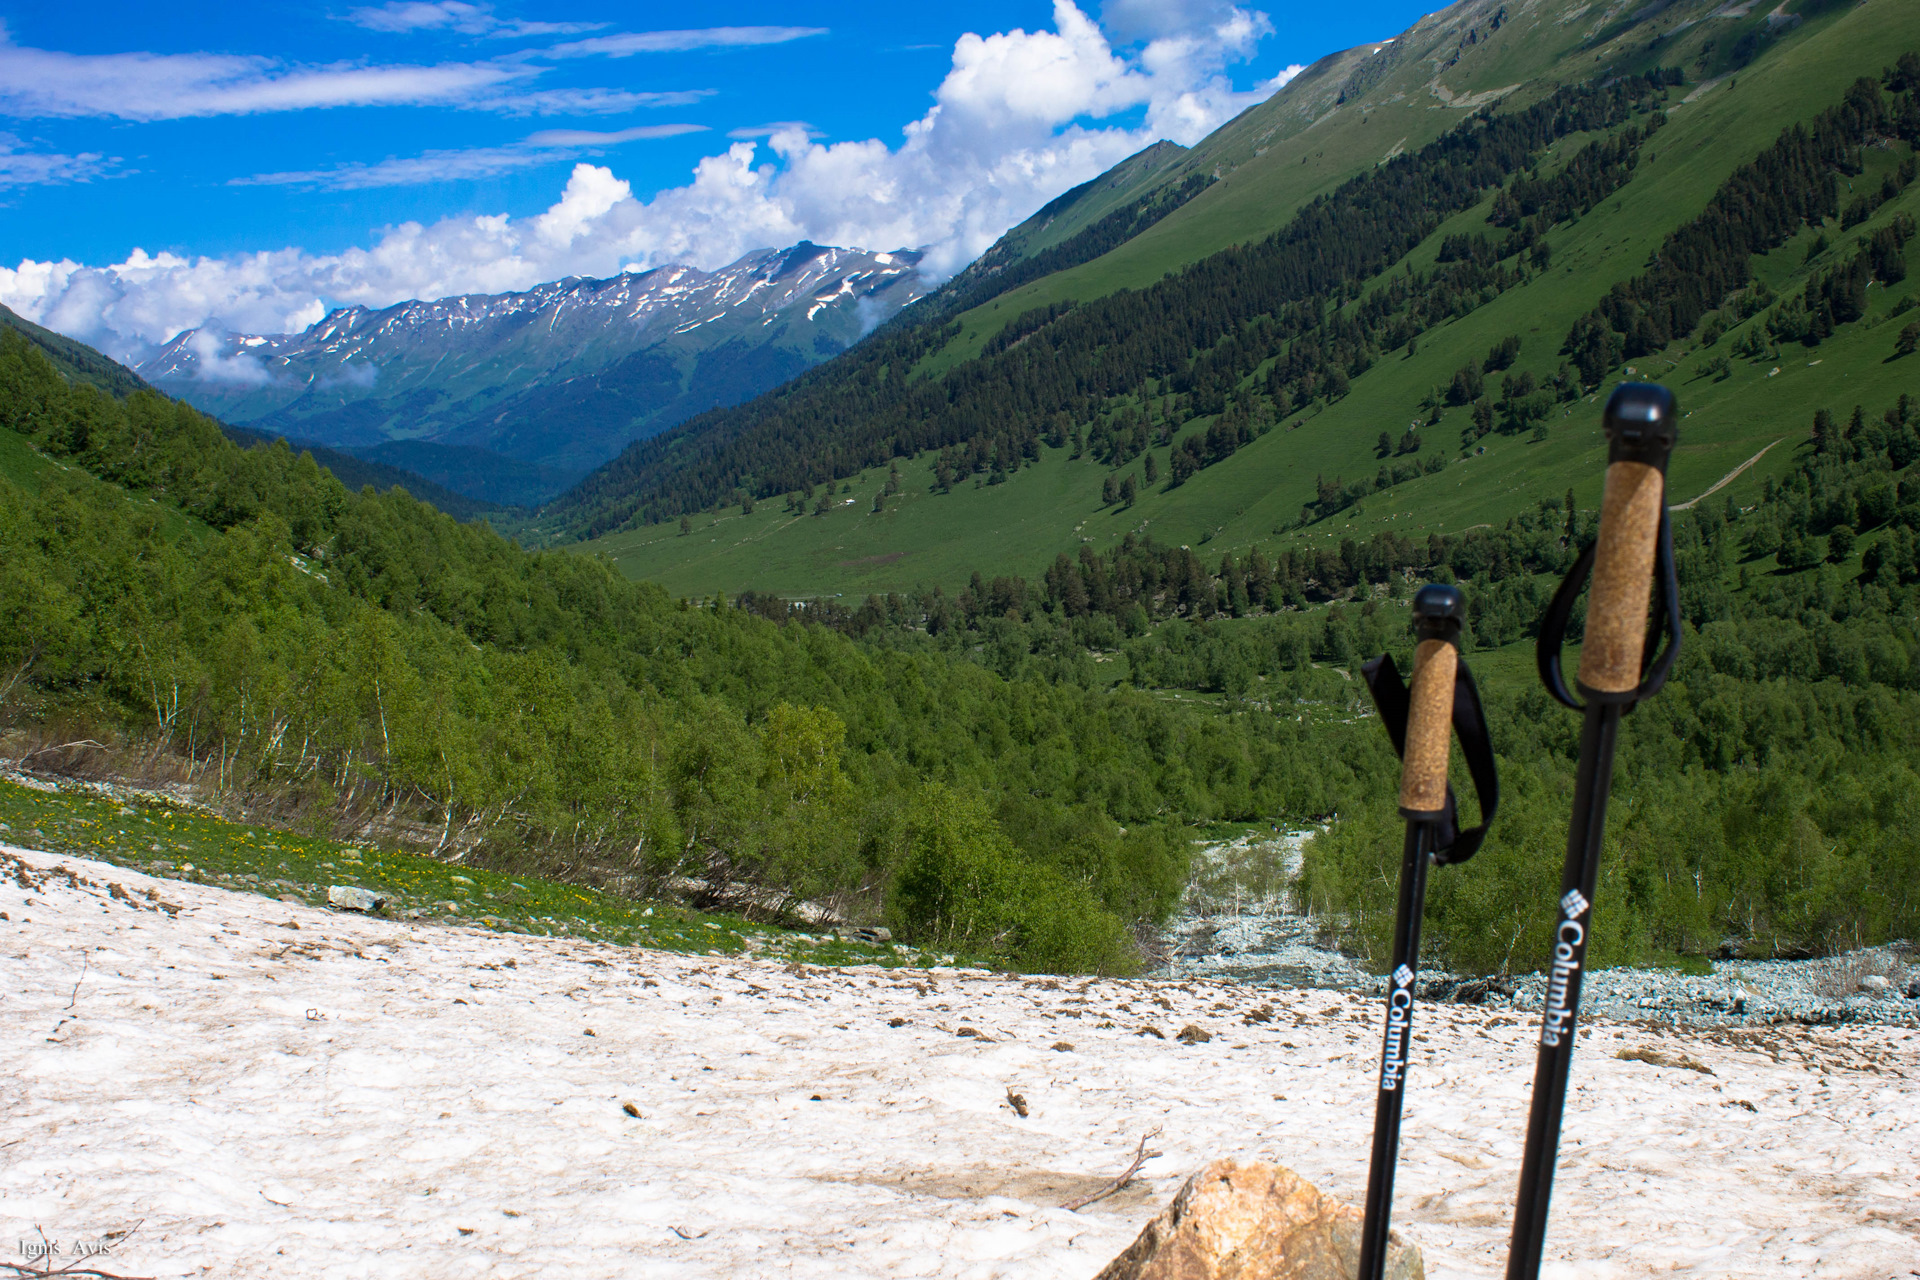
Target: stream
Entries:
(1239, 922)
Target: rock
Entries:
(874, 936)
(1654, 1057)
(1913, 989)
(1191, 1034)
(1254, 1221)
(1874, 985)
(347, 897)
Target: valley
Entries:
(1734, 405)
(974, 626)
(538, 556)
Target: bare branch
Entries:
(86, 958)
(1140, 1156)
(74, 1268)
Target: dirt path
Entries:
(1723, 481)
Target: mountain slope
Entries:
(75, 360)
(81, 364)
(360, 473)
(557, 379)
(1261, 487)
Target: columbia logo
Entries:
(1574, 904)
(1403, 977)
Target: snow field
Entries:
(274, 1090)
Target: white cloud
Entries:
(152, 86)
(597, 102)
(610, 138)
(45, 83)
(22, 168)
(629, 43)
(401, 16)
(776, 126)
(1016, 121)
(214, 365)
(466, 164)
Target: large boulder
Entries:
(1254, 1221)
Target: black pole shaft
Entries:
(1395, 1047)
(1571, 929)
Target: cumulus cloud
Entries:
(544, 147)
(1020, 117)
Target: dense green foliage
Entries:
(75, 359)
(1766, 801)
(362, 652)
(357, 473)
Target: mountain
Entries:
(510, 397)
(81, 364)
(76, 361)
(1385, 302)
(358, 473)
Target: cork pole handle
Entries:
(1423, 771)
(1622, 577)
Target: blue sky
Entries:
(268, 161)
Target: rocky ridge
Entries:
(562, 375)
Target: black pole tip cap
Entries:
(1641, 424)
(1439, 611)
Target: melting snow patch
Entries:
(359, 1094)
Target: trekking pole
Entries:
(1421, 724)
(1618, 667)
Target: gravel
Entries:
(1267, 943)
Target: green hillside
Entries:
(1016, 519)
(77, 361)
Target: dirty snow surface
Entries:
(271, 1090)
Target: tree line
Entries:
(337, 655)
(1793, 184)
(1766, 800)
(1198, 333)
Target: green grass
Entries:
(1302, 142)
(181, 843)
(1255, 497)
(23, 465)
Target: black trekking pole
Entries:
(1619, 666)
(1420, 722)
